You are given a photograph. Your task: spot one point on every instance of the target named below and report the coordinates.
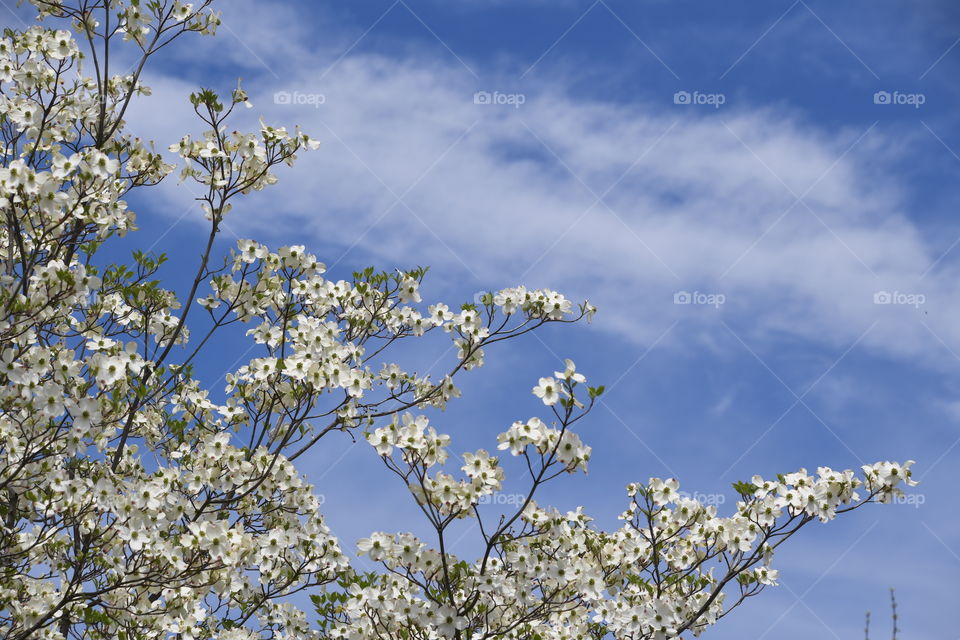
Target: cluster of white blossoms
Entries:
(137, 502)
(667, 535)
(421, 448)
(664, 572)
(134, 501)
(235, 163)
(569, 449)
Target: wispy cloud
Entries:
(797, 227)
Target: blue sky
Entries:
(827, 176)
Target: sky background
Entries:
(796, 160)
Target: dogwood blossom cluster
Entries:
(318, 336)
(670, 561)
(674, 566)
(134, 500)
(145, 24)
(521, 587)
(570, 451)
(234, 163)
(137, 501)
(420, 448)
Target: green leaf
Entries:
(745, 489)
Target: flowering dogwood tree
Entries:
(136, 503)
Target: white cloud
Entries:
(699, 200)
